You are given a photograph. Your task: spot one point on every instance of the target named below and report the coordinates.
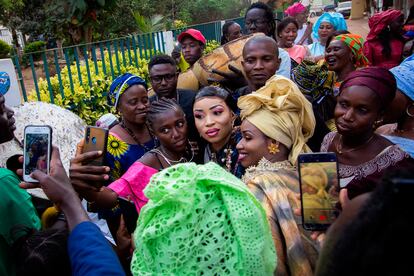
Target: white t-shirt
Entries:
(301, 32)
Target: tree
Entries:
(10, 12)
(151, 24)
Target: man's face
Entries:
(260, 62)
(192, 49)
(255, 22)
(164, 80)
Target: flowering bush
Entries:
(211, 45)
(88, 102)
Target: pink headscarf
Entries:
(295, 9)
(380, 21)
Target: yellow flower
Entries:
(116, 147)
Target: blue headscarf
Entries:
(404, 74)
(120, 84)
(336, 19)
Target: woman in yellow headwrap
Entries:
(277, 122)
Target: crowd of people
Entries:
(212, 170)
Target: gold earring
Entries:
(273, 148)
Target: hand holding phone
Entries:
(318, 174)
(96, 139)
(37, 150)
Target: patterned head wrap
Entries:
(355, 43)
(379, 21)
(379, 80)
(313, 79)
(282, 113)
(336, 19)
(201, 219)
(120, 85)
(404, 74)
(295, 9)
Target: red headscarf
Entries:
(379, 80)
(380, 21)
(295, 9)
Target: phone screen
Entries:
(318, 179)
(36, 152)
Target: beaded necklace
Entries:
(132, 134)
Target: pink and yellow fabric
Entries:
(295, 9)
(132, 184)
(355, 43)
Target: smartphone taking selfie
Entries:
(318, 176)
(37, 150)
(96, 139)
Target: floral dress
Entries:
(121, 155)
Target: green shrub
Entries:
(87, 102)
(4, 49)
(211, 45)
(36, 46)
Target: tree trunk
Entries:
(15, 38)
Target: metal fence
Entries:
(46, 64)
(93, 56)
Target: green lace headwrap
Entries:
(201, 220)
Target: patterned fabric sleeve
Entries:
(274, 196)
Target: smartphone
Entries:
(318, 177)
(96, 139)
(129, 211)
(37, 150)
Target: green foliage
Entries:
(151, 24)
(36, 46)
(211, 45)
(4, 49)
(89, 102)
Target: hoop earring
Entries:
(273, 148)
(407, 110)
(377, 124)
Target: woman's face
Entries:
(325, 30)
(134, 104)
(288, 35)
(213, 119)
(337, 55)
(234, 32)
(396, 26)
(253, 146)
(357, 108)
(171, 130)
(302, 17)
(396, 109)
(6, 121)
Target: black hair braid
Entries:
(160, 107)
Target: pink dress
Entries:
(297, 52)
(131, 185)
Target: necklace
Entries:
(132, 134)
(168, 160)
(225, 160)
(339, 145)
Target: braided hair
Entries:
(160, 107)
(269, 16)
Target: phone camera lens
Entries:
(93, 140)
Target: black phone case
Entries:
(130, 214)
